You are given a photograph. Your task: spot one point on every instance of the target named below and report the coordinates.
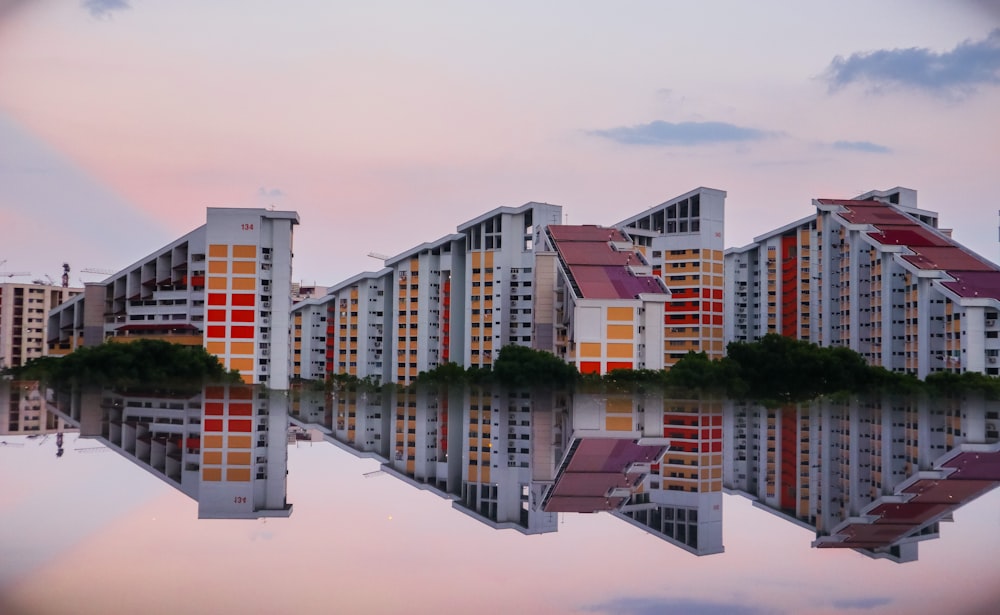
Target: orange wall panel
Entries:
(245, 267)
(245, 251)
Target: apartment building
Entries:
(597, 303)
(769, 285)
(225, 447)
(23, 410)
(877, 275)
(510, 276)
(427, 313)
(225, 285)
(500, 248)
(874, 475)
(343, 332)
(457, 299)
(683, 241)
(24, 310)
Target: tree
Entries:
(518, 366)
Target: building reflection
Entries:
(23, 412)
(877, 476)
(225, 447)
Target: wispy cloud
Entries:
(861, 146)
(685, 134)
(953, 73)
(674, 606)
(270, 193)
(103, 8)
(861, 603)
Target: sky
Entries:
(386, 124)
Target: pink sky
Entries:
(387, 124)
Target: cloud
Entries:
(861, 603)
(950, 73)
(669, 606)
(270, 193)
(861, 146)
(659, 132)
(103, 8)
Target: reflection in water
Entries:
(875, 476)
(226, 447)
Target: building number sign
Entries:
(247, 227)
(240, 499)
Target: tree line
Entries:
(774, 368)
(140, 364)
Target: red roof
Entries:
(878, 214)
(585, 232)
(946, 257)
(598, 466)
(906, 235)
(599, 270)
(971, 284)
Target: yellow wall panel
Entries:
(241, 458)
(239, 441)
(619, 332)
(619, 405)
(240, 348)
(211, 441)
(590, 349)
(241, 475)
(488, 259)
(216, 347)
(218, 266)
(245, 251)
(211, 457)
(244, 283)
(243, 365)
(218, 250)
(620, 351)
(245, 267)
(621, 313)
(217, 283)
(618, 423)
(211, 474)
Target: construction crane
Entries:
(96, 270)
(65, 275)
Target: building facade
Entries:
(24, 310)
(683, 240)
(503, 279)
(597, 303)
(874, 274)
(226, 286)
